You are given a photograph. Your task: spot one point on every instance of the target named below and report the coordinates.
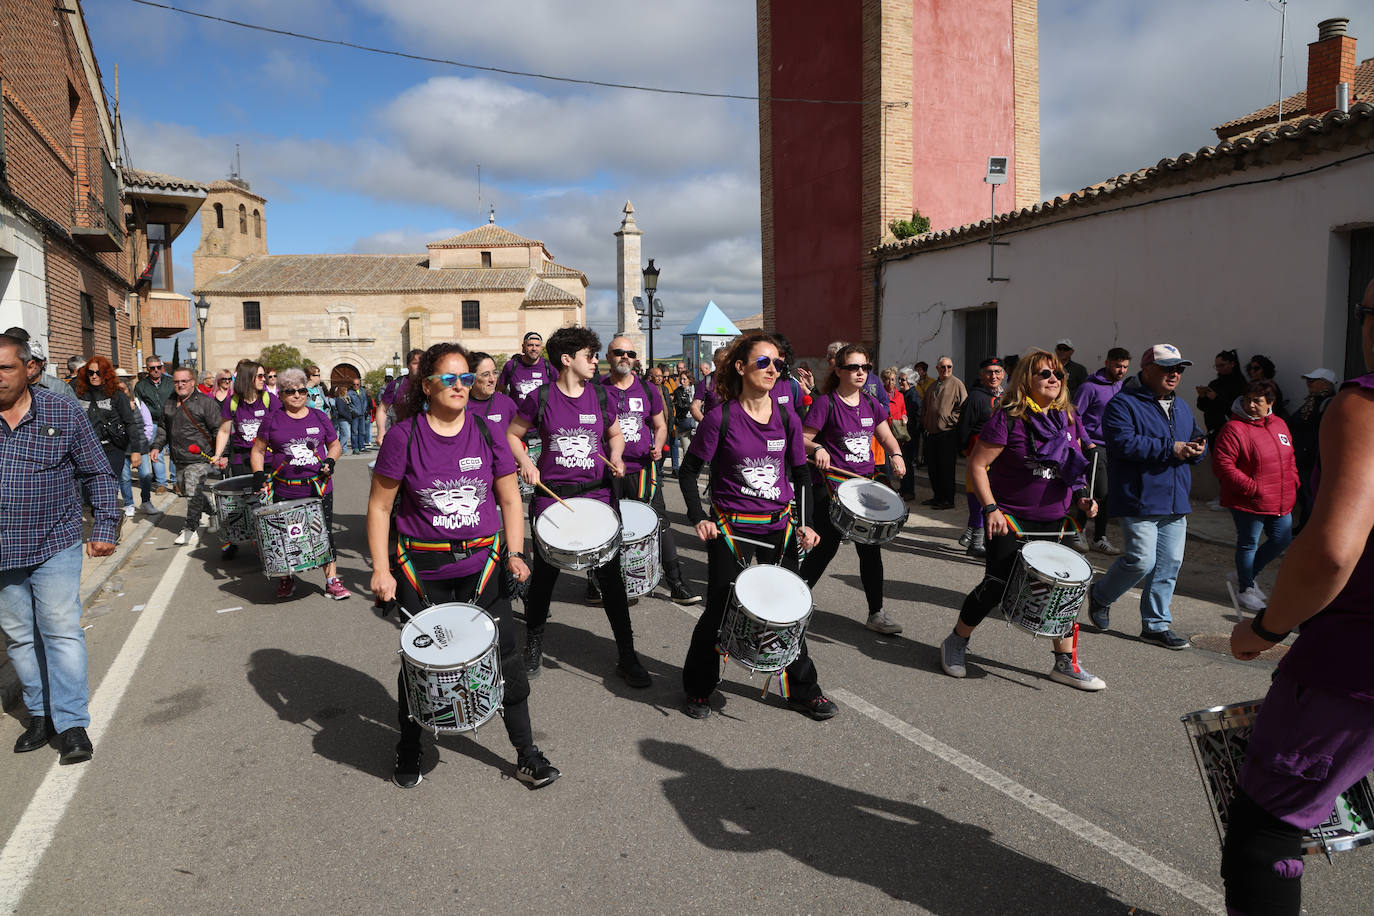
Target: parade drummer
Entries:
(639, 413)
(758, 463)
(484, 400)
(1314, 737)
(1027, 467)
(574, 420)
(293, 457)
(241, 414)
(452, 470)
(839, 431)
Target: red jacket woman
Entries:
(1255, 463)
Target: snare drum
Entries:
(639, 558)
(867, 512)
(766, 619)
(292, 537)
(451, 667)
(1219, 736)
(235, 500)
(1046, 589)
(582, 535)
(535, 449)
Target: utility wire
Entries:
(504, 70)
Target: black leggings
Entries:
(617, 605)
(1000, 560)
(870, 555)
(494, 600)
(701, 670)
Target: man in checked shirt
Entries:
(47, 448)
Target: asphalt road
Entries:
(244, 749)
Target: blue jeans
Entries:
(359, 434)
(126, 485)
(1252, 558)
(145, 481)
(1152, 552)
(163, 468)
(345, 430)
(40, 612)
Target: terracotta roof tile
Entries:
(225, 184)
(488, 236)
(1361, 90)
(557, 271)
(362, 273)
(161, 182)
(542, 293)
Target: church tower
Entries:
(233, 228)
(629, 279)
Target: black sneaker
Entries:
(1166, 638)
(679, 593)
(534, 769)
(229, 552)
(819, 708)
(632, 670)
(1099, 614)
(407, 771)
(534, 652)
(696, 709)
(593, 592)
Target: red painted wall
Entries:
(817, 50)
(963, 110)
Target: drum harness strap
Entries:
(647, 482)
(725, 519)
(1058, 537)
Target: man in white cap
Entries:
(1075, 374)
(1305, 425)
(1152, 443)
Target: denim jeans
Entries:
(145, 481)
(1251, 558)
(359, 442)
(126, 484)
(40, 612)
(345, 431)
(1151, 555)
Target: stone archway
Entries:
(343, 374)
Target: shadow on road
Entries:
(908, 851)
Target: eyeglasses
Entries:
(92, 371)
(271, 376)
(450, 379)
(856, 367)
(260, 375)
(1045, 374)
(490, 373)
(763, 361)
(618, 352)
(182, 381)
(945, 366)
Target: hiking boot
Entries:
(407, 771)
(534, 652)
(819, 707)
(1067, 671)
(966, 538)
(881, 623)
(952, 655)
(534, 769)
(632, 670)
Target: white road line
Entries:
(226, 610)
(1141, 861)
(38, 826)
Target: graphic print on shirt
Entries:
(302, 453)
(456, 503)
(574, 447)
(250, 427)
(762, 476)
(858, 446)
(631, 424)
(529, 385)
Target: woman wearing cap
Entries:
(1027, 468)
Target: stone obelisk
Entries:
(629, 280)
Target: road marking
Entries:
(226, 610)
(1141, 861)
(24, 849)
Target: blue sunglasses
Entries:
(450, 379)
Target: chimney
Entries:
(1330, 62)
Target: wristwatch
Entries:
(1257, 624)
(991, 508)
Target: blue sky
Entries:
(369, 153)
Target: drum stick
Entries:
(840, 471)
(1092, 480)
(555, 496)
(736, 537)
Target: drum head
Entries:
(871, 500)
(637, 520)
(1056, 562)
(284, 506)
(447, 635)
(773, 594)
(241, 484)
(585, 525)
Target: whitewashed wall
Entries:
(23, 284)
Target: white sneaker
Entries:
(1102, 545)
(129, 511)
(1251, 599)
(1066, 671)
(188, 537)
(881, 623)
(1080, 542)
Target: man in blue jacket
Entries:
(1152, 439)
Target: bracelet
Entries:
(1257, 624)
(991, 508)
(510, 555)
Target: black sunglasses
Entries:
(763, 361)
(1045, 374)
(856, 367)
(630, 353)
(286, 391)
(92, 371)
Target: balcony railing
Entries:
(97, 217)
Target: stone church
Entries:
(353, 313)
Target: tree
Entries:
(176, 354)
(906, 228)
(283, 356)
(375, 381)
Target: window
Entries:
(159, 246)
(87, 325)
(252, 316)
(114, 337)
(472, 315)
(257, 224)
(243, 220)
(486, 259)
(219, 216)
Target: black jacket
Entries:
(978, 409)
(179, 427)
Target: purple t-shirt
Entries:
(519, 379)
(572, 435)
(845, 432)
(1035, 476)
(395, 390)
(633, 410)
(498, 410)
(447, 485)
(296, 449)
(247, 419)
(787, 394)
(749, 470)
(706, 393)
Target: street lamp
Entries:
(191, 353)
(649, 308)
(396, 363)
(202, 315)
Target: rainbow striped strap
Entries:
(403, 562)
(647, 482)
(725, 519)
(1020, 532)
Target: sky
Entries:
(363, 152)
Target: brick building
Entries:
(64, 262)
(923, 93)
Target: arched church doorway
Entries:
(343, 374)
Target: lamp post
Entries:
(191, 353)
(396, 364)
(650, 309)
(202, 315)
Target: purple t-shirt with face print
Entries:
(521, 380)
(1041, 463)
(447, 485)
(247, 418)
(634, 406)
(750, 469)
(572, 435)
(498, 410)
(846, 432)
(297, 447)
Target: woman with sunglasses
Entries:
(117, 425)
(757, 465)
(1027, 466)
(452, 472)
(223, 386)
(293, 457)
(493, 406)
(241, 415)
(839, 432)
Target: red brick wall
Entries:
(1329, 63)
